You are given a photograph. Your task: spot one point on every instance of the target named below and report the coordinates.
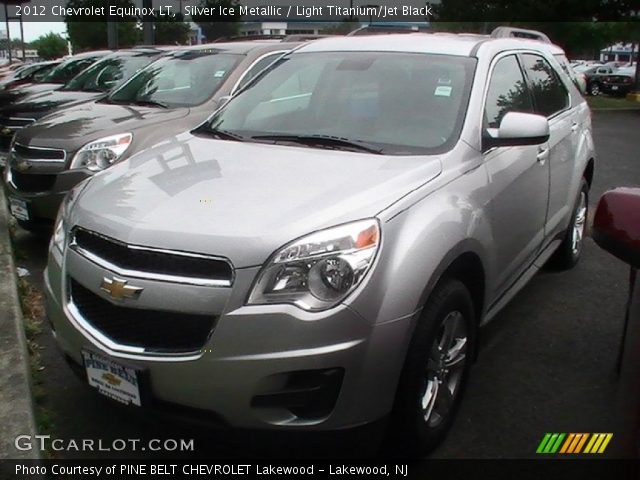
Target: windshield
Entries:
(184, 79)
(393, 103)
(68, 69)
(106, 74)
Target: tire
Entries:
(424, 410)
(594, 89)
(570, 249)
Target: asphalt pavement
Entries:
(546, 362)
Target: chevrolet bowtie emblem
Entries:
(118, 288)
(111, 379)
(6, 131)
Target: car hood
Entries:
(36, 106)
(73, 127)
(241, 200)
(9, 96)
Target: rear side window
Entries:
(549, 93)
(507, 92)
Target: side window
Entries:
(79, 66)
(257, 67)
(549, 93)
(507, 92)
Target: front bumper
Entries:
(255, 355)
(43, 205)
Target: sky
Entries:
(33, 30)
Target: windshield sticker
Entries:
(442, 91)
(219, 73)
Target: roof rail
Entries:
(247, 38)
(304, 37)
(389, 28)
(513, 32)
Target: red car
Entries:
(616, 229)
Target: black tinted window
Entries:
(549, 94)
(507, 92)
(68, 69)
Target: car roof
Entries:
(460, 44)
(138, 51)
(243, 48)
(93, 53)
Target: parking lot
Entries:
(546, 362)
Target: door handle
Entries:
(542, 155)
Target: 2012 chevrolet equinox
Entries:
(321, 252)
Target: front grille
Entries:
(15, 122)
(154, 330)
(32, 153)
(153, 261)
(32, 182)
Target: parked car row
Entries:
(303, 236)
(608, 79)
(175, 93)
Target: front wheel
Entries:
(594, 89)
(570, 249)
(435, 370)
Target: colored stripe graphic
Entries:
(573, 443)
(581, 443)
(543, 443)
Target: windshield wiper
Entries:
(149, 103)
(338, 143)
(222, 134)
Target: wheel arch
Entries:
(463, 263)
(589, 171)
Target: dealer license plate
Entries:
(19, 208)
(112, 379)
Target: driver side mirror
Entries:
(517, 129)
(616, 226)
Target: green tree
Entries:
(217, 26)
(90, 33)
(171, 31)
(50, 46)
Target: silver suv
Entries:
(322, 251)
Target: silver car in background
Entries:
(322, 251)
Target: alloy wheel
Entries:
(445, 368)
(579, 225)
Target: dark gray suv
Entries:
(174, 94)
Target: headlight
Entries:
(60, 229)
(59, 238)
(101, 153)
(319, 270)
